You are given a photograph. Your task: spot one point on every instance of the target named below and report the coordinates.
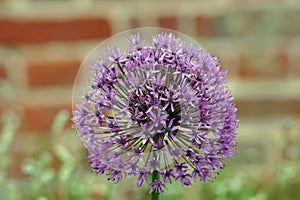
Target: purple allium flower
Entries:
(157, 186)
(161, 106)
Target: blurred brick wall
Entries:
(43, 42)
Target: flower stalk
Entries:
(155, 193)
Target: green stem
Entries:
(155, 194)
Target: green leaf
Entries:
(60, 121)
(43, 161)
(63, 154)
(47, 176)
(10, 124)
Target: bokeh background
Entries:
(43, 42)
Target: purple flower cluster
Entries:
(160, 107)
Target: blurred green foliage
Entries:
(62, 172)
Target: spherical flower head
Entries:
(160, 105)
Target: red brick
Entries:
(52, 73)
(15, 170)
(134, 23)
(43, 31)
(204, 26)
(275, 65)
(268, 107)
(245, 69)
(228, 62)
(291, 23)
(38, 119)
(96, 195)
(2, 72)
(168, 22)
(282, 60)
(295, 60)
